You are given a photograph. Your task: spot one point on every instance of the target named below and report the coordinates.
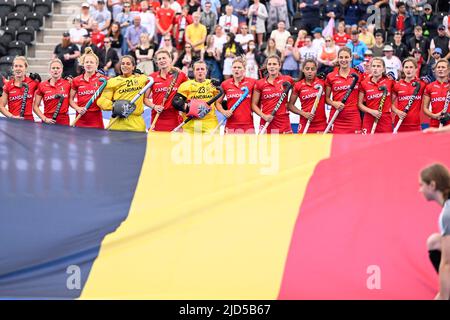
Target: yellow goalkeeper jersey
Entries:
(121, 88)
(204, 91)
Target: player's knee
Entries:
(434, 242)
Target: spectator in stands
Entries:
(333, 9)
(366, 36)
(363, 6)
(244, 37)
(240, 10)
(88, 43)
(341, 37)
(402, 21)
(318, 40)
(308, 51)
(164, 20)
(400, 49)
(229, 21)
(85, 17)
(144, 54)
(231, 49)
(378, 47)
(357, 47)
(193, 6)
(97, 36)
(135, 6)
(310, 14)
(133, 34)
(290, 57)
(208, 18)
(429, 22)
(102, 16)
(68, 53)
(277, 12)
(212, 58)
(421, 64)
(196, 34)
(215, 6)
(220, 38)
(392, 63)
(77, 33)
(175, 6)
(116, 37)
(300, 42)
(148, 20)
(116, 8)
(352, 13)
(271, 49)
(186, 60)
(111, 58)
(383, 6)
(327, 57)
(280, 35)
(365, 66)
(257, 15)
(125, 19)
(436, 54)
(168, 45)
(253, 59)
(181, 22)
(441, 41)
(419, 42)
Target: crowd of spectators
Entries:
(216, 31)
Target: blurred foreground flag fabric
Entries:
(94, 214)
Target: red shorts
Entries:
(384, 124)
(91, 119)
(314, 127)
(346, 122)
(279, 124)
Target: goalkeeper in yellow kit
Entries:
(191, 98)
(119, 91)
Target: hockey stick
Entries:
(24, 99)
(235, 105)
(209, 103)
(380, 107)
(287, 87)
(58, 106)
(140, 93)
(344, 100)
(415, 84)
(444, 111)
(91, 100)
(316, 103)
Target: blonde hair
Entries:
(163, 51)
(55, 60)
(240, 60)
(22, 58)
(441, 61)
(88, 52)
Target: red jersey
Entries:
(269, 96)
(404, 91)
(170, 118)
(97, 39)
(242, 116)
(349, 119)
(437, 92)
(48, 92)
(341, 41)
(165, 17)
(15, 95)
(307, 95)
(373, 96)
(84, 91)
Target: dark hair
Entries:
(439, 174)
(302, 74)
(400, 3)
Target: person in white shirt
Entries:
(318, 40)
(280, 35)
(148, 20)
(175, 6)
(116, 7)
(220, 38)
(102, 16)
(244, 37)
(77, 33)
(228, 21)
(393, 64)
(308, 51)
